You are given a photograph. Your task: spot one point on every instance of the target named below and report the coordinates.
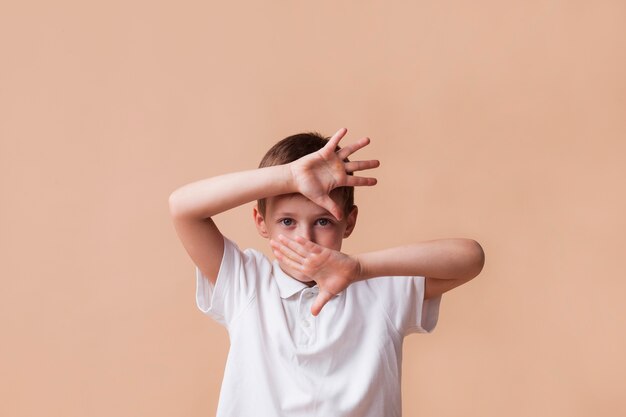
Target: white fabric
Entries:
(283, 361)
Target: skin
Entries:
(445, 264)
(315, 176)
(306, 241)
(308, 245)
(294, 215)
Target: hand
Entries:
(332, 270)
(317, 174)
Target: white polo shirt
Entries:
(283, 361)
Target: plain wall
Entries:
(498, 121)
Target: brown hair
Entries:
(295, 147)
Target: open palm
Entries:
(315, 175)
(332, 270)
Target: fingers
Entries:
(352, 181)
(361, 165)
(349, 150)
(280, 255)
(284, 254)
(352, 148)
(293, 246)
(308, 246)
(301, 247)
(288, 261)
(322, 298)
(330, 205)
(334, 140)
(286, 251)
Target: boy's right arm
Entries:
(193, 205)
(314, 175)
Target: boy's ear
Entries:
(259, 222)
(351, 221)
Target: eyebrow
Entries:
(289, 214)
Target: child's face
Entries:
(294, 214)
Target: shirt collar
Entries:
(287, 285)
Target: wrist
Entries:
(361, 269)
(289, 177)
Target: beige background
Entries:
(499, 121)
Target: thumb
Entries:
(330, 205)
(322, 298)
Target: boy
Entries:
(315, 332)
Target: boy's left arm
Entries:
(445, 263)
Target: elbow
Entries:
(476, 257)
(182, 205)
(173, 204)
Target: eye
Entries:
(286, 221)
(323, 222)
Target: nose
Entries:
(306, 233)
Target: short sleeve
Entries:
(403, 301)
(234, 287)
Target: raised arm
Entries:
(314, 175)
(193, 205)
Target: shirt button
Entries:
(309, 294)
(305, 323)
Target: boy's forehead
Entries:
(290, 200)
(293, 202)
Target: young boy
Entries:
(316, 332)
